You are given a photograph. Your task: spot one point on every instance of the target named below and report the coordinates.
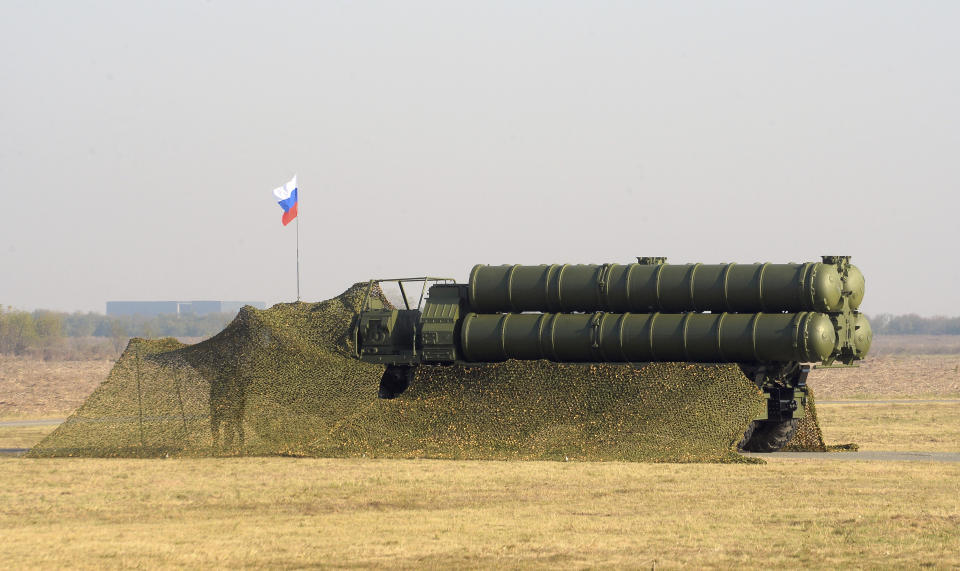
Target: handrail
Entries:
(400, 282)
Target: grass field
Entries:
(287, 512)
(920, 427)
(284, 512)
(22, 436)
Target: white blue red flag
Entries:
(287, 199)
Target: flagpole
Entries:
(298, 255)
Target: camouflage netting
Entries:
(809, 438)
(281, 381)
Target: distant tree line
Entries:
(184, 325)
(913, 324)
(26, 332)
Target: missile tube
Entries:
(628, 337)
(642, 288)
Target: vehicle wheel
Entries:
(765, 436)
(746, 435)
(395, 380)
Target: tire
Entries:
(741, 446)
(765, 436)
(395, 380)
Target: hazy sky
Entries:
(140, 142)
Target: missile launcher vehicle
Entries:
(773, 320)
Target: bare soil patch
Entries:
(891, 376)
(36, 388)
(915, 345)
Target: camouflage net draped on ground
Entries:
(281, 381)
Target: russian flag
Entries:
(287, 199)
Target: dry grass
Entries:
(22, 436)
(285, 512)
(35, 388)
(927, 427)
(276, 512)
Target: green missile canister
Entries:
(653, 286)
(627, 337)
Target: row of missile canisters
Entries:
(751, 314)
(773, 320)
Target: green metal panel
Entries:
(388, 336)
(626, 337)
(735, 288)
(773, 396)
(862, 336)
(438, 325)
(853, 286)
